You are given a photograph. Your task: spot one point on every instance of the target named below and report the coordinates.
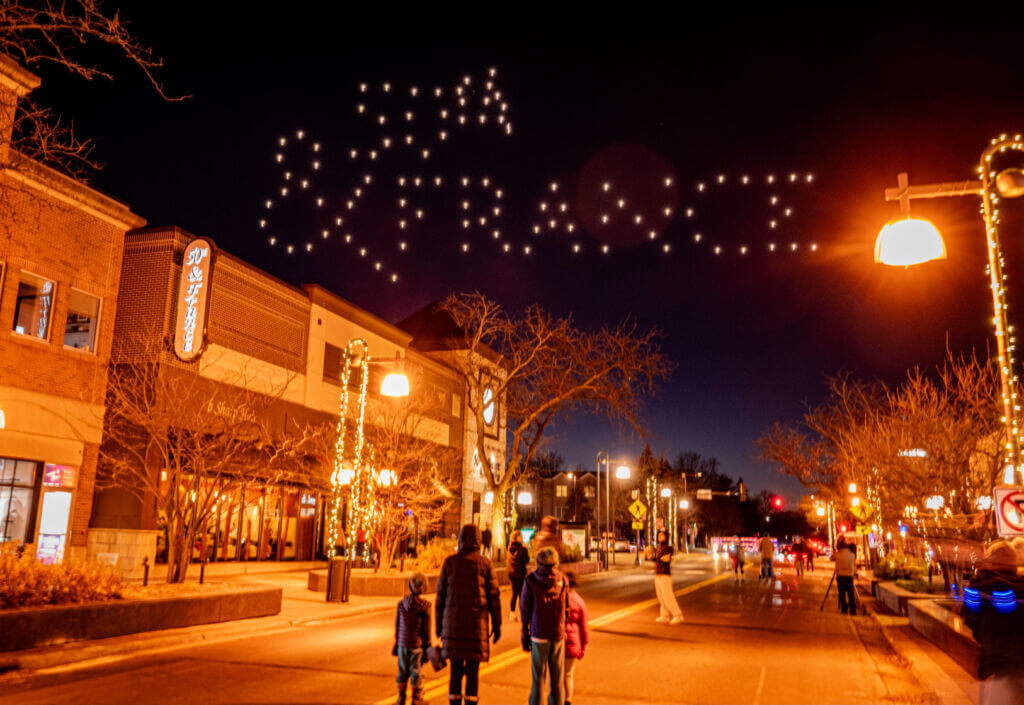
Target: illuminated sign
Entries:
(60, 476)
(193, 297)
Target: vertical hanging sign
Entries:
(193, 300)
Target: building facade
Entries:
(61, 245)
(284, 343)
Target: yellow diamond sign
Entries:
(638, 509)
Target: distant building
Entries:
(568, 496)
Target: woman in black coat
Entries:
(467, 596)
(518, 557)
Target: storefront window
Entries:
(82, 322)
(332, 364)
(34, 306)
(17, 500)
(229, 510)
(252, 522)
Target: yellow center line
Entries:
(439, 686)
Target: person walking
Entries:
(739, 557)
(767, 549)
(548, 535)
(846, 561)
(670, 611)
(576, 635)
(799, 554)
(544, 607)
(467, 597)
(517, 559)
(412, 637)
(485, 542)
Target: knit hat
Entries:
(999, 556)
(548, 557)
(418, 583)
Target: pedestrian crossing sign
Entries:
(638, 509)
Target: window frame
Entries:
(99, 316)
(49, 328)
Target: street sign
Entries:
(1009, 506)
(638, 525)
(703, 494)
(638, 509)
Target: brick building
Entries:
(60, 263)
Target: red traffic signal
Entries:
(777, 502)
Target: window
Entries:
(17, 495)
(83, 320)
(561, 491)
(588, 492)
(34, 306)
(332, 364)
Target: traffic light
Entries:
(777, 502)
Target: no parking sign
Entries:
(1009, 506)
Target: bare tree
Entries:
(181, 444)
(541, 366)
(933, 435)
(77, 36)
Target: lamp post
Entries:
(622, 473)
(907, 241)
(358, 477)
(684, 504)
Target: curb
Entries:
(131, 645)
(927, 672)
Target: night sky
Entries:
(626, 99)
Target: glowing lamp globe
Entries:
(622, 472)
(820, 511)
(908, 241)
(345, 476)
(1010, 183)
(683, 504)
(666, 492)
(395, 384)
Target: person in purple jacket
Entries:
(576, 635)
(543, 608)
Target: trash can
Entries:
(336, 580)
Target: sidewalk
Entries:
(929, 664)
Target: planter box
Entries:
(582, 567)
(946, 630)
(365, 582)
(56, 624)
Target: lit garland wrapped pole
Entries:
(905, 242)
(361, 490)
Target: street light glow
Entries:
(820, 511)
(908, 241)
(666, 492)
(395, 384)
(622, 472)
(684, 504)
(852, 488)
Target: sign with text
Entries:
(193, 299)
(1009, 507)
(703, 494)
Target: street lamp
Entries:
(622, 473)
(907, 241)
(685, 506)
(357, 476)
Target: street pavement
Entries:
(741, 642)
